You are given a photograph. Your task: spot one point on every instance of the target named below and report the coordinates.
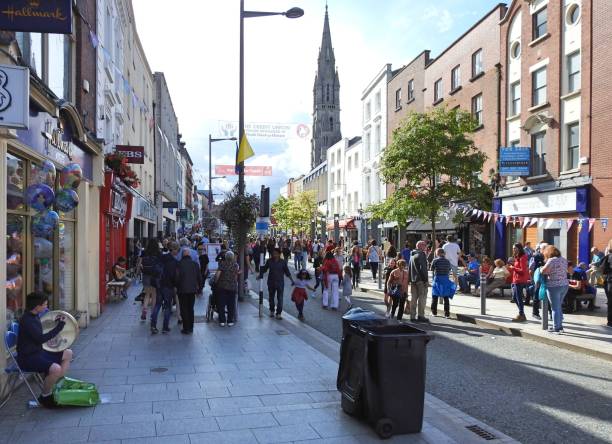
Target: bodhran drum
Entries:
(64, 338)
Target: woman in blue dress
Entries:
(442, 286)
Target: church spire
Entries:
(326, 95)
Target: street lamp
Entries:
(291, 13)
(210, 178)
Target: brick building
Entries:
(545, 49)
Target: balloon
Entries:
(40, 228)
(39, 196)
(71, 176)
(48, 168)
(66, 200)
(51, 218)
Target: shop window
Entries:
(66, 266)
(15, 183)
(15, 288)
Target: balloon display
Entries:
(51, 218)
(71, 176)
(40, 228)
(39, 196)
(66, 200)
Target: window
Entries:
(349, 164)
(327, 95)
(540, 23)
(367, 111)
(477, 108)
(573, 145)
(331, 123)
(356, 160)
(573, 72)
(573, 14)
(539, 153)
(410, 90)
(438, 90)
(515, 49)
(367, 147)
(377, 102)
(455, 78)
(333, 159)
(398, 99)
(538, 81)
(332, 182)
(377, 138)
(515, 98)
(477, 63)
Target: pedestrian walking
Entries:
(397, 286)
(373, 257)
(339, 256)
(189, 283)
(165, 291)
(355, 264)
(605, 268)
(452, 253)
(347, 285)
(298, 255)
(286, 249)
(226, 285)
(557, 284)
(151, 272)
(316, 264)
(442, 286)
(520, 279)
(332, 274)
(299, 295)
(277, 270)
(419, 281)
(391, 265)
(204, 261)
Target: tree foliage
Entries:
(432, 162)
(239, 212)
(296, 212)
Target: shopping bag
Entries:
(73, 392)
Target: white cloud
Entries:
(442, 17)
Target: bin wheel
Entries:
(384, 428)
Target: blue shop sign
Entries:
(48, 16)
(515, 161)
(53, 138)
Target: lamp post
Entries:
(210, 178)
(291, 13)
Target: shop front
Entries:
(347, 230)
(48, 188)
(559, 217)
(115, 214)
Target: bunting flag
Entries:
(580, 224)
(508, 220)
(533, 221)
(604, 224)
(549, 223)
(541, 222)
(591, 223)
(474, 212)
(525, 222)
(520, 221)
(495, 218)
(489, 217)
(94, 39)
(570, 222)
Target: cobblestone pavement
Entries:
(256, 382)
(531, 391)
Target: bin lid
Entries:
(359, 314)
(396, 330)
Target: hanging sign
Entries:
(14, 96)
(48, 16)
(514, 161)
(133, 154)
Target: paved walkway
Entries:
(584, 331)
(261, 381)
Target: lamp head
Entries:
(294, 13)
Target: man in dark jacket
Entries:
(189, 282)
(606, 270)
(166, 289)
(419, 280)
(277, 270)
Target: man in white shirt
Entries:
(453, 254)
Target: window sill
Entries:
(514, 117)
(410, 101)
(570, 173)
(437, 102)
(479, 127)
(477, 76)
(539, 107)
(398, 108)
(570, 95)
(454, 91)
(539, 176)
(538, 40)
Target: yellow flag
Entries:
(244, 151)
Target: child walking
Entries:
(299, 295)
(347, 285)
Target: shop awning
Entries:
(345, 224)
(419, 225)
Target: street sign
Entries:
(262, 226)
(48, 16)
(14, 96)
(134, 154)
(515, 161)
(170, 205)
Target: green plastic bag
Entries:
(73, 392)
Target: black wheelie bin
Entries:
(381, 376)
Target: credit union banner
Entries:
(249, 170)
(266, 130)
(48, 16)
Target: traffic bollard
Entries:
(545, 314)
(380, 272)
(483, 294)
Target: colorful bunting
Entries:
(591, 223)
(570, 222)
(604, 224)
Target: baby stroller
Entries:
(211, 307)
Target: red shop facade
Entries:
(115, 214)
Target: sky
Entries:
(195, 43)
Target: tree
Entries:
(432, 162)
(239, 212)
(296, 212)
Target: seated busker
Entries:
(119, 272)
(30, 354)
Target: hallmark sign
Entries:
(14, 96)
(48, 16)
